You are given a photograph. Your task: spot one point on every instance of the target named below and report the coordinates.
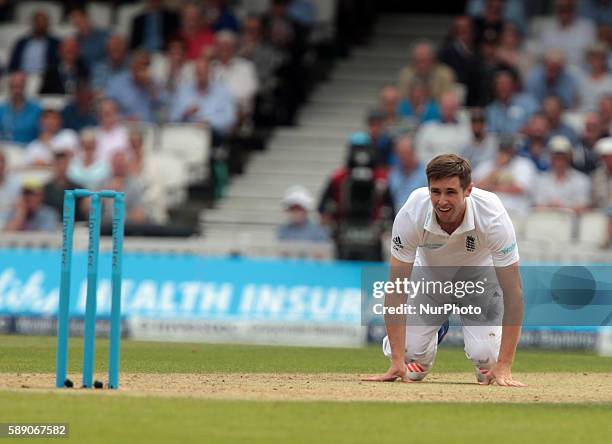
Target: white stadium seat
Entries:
(574, 119)
(190, 143)
(592, 228)
(125, 15)
(551, 225)
(175, 177)
(101, 14)
(15, 155)
(53, 101)
(33, 83)
(255, 6)
(10, 33)
(24, 11)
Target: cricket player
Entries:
(453, 224)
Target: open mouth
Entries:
(444, 210)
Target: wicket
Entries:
(63, 318)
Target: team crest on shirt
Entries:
(470, 243)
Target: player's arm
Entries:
(509, 280)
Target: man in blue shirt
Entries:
(551, 78)
(299, 227)
(407, 175)
(19, 116)
(511, 109)
(204, 101)
(92, 40)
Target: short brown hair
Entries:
(450, 165)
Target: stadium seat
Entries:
(255, 6)
(15, 155)
(575, 119)
(24, 11)
(101, 14)
(190, 143)
(40, 175)
(125, 15)
(555, 226)
(53, 101)
(175, 177)
(10, 33)
(592, 228)
(33, 84)
(63, 30)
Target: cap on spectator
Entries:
(65, 143)
(298, 196)
(603, 147)
(32, 185)
(560, 145)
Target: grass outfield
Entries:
(95, 418)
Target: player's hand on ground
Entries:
(397, 370)
(502, 375)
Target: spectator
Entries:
(598, 11)
(511, 109)
(52, 138)
(602, 183)
(552, 78)
(63, 77)
(605, 113)
(19, 116)
(534, 147)
(80, 112)
(562, 186)
(178, 71)
(490, 24)
(303, 12)
(388, 105)
(424, 66)
(483, 145)
(10, 190)
(60, 182)
(447, 136)
(205, 101)
(513, 10)
(220, 16)
(407, 174)
(197, 36)
(509, 176)
(490, 66)
(139, 97)
(510, 51)
(111, 136)
(30, 213)
(460, 54)
(378, 137)
(122, 180)
(568, 32)
(597, 80)
(115, 63)
(419, 106)
(86, 168)
(585, 158)
(35, 52)
(152, 29)
(91, 39)
(552, 107)
(300, 227)
(237, 73)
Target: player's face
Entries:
(448, 199)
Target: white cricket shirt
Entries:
(485, 237)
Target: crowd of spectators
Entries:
(190, 62)
(528, 102)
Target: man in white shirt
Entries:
(111, 136)
(451, 134)
(52, 138)
(452, 224)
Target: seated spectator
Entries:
(424, 66)
(490, 66)
(137, 94)
(552, 107)
(52, 138)
(483, 145)
(459, 53)
(152, 29)
(598, 11)
(449, 135)
(605, 113)
(178, 71)
(91, 39)
(205, 101)
(535, 145)
(10, 189)
(111, 135)
(513, 10)
(568, 32)
(116, 63)
(595, 82)
(30, 213)
(237, 73)
(509, 176)
(602, 183)
(300, 227)
(407, 174)
(552, 78)
(62, 78)
(122, 180)
(80, 112)
(54, 190)
(562, 186)
(220, 16)
(36, 51)
(19, 116)
(490, 23)
(378, 137)
(193, 31)
(510, 51)
(511, 109)
(388, 105)
(585, 158)
(86, 168)
(419, 106)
